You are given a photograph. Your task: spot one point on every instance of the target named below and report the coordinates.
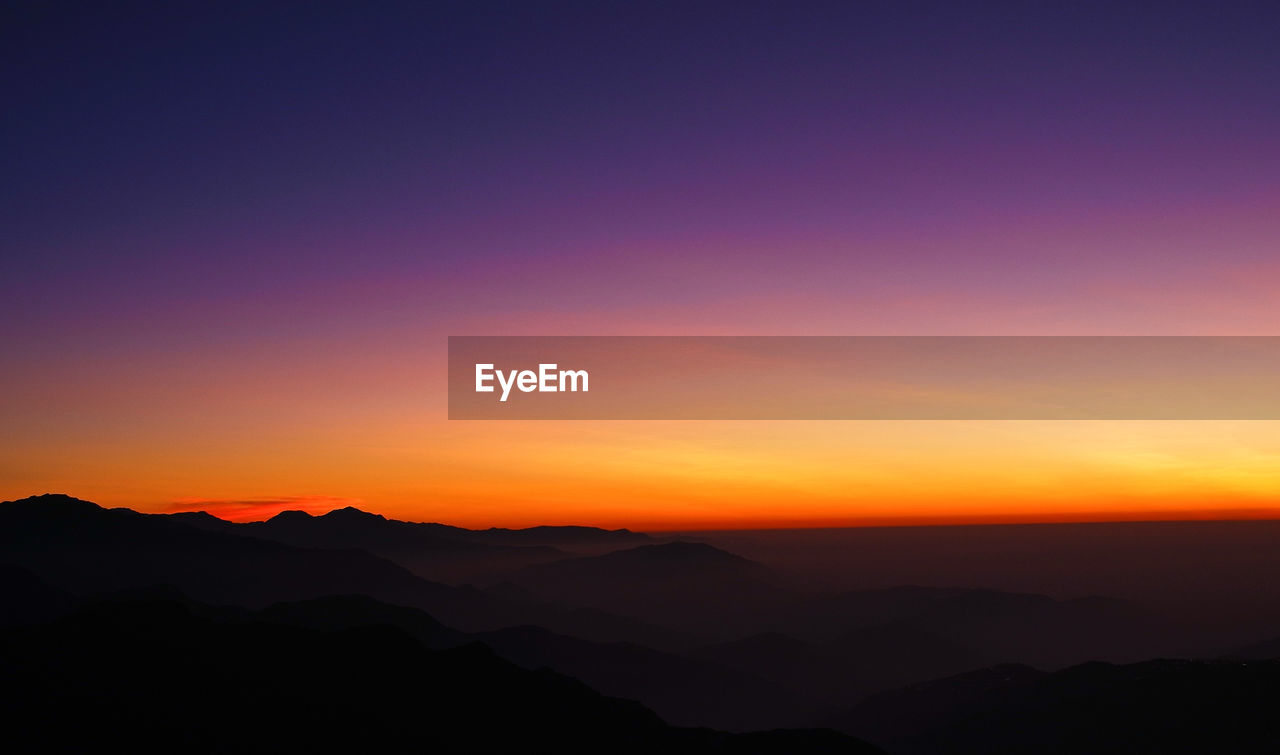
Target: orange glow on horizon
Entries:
(670, 476)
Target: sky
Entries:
(236, 237)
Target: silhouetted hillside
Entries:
(984, 627)
(840, 648)
(341, 612)
(1161, 706)
(80, 547)
(435, 551)
(1264, 650)
(624, 622)
(87, 549)
(26, 598)
(1216, 577)
(818, 676)
(690, 586)
(569, 538)
(684, 691)
(153, 676)
(853, 665)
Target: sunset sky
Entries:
(235, 242)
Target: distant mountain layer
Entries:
(693, 587)
(434, 551)
(154, 676)
(684, 691)
(81, 548)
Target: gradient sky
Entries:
(236, 237)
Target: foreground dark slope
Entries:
(153, 676)
(684, 691)
(87, 551)
(1158, 706)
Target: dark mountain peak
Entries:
(198, 517)
(292, 515)
(51, 501)
(352, 514)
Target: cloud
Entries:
(254, 509)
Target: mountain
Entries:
(26, 598)
(80, 547)
(891, 655)
(432, 550)
(689, 586)
(684, 691)
(1264, 650)
(842, 647)
(696, 633)
(842, 671)
(807, 669)
(84, 548)
(1159, 706)
(569, 538)
(983, 627)
(153, 676)
(897, 715)
(340, 612)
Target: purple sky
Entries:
(249, 206)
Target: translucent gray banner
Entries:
(864, 377)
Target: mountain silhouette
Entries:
(1158, 706)
(434, 552)
(841, 647)
(974, 627)
(80, 547)
(339, 612)
(153, 676)
(690, 586)
(572, 538)
(821, 677)
(1264, 650)
(684, 691)
(26, 598)
(697, 635)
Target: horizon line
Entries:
(1130, 516)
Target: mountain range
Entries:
(699, 639)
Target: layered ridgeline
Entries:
(434, 551)
(697, 635)
(162, 675)
(98, 629)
